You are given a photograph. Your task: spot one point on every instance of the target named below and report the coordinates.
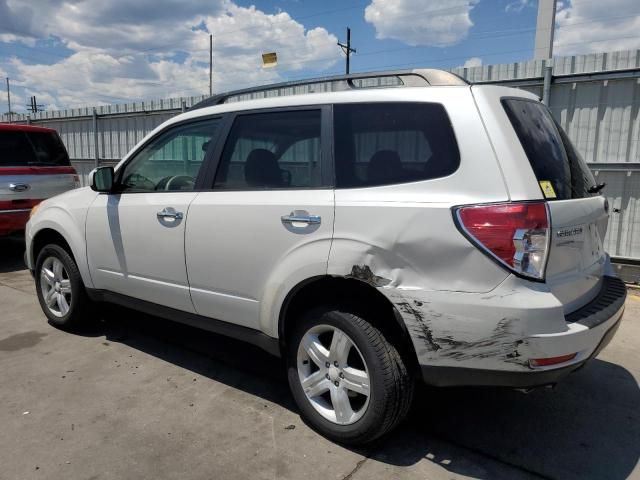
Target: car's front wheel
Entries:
(59, 288)
(349, 382)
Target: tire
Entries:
(57, 278)
(370, 359)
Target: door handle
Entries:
(296, 217)
(19, 187)
(169, 213)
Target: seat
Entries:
(385, 166)
(262, 170)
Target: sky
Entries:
(72, 53)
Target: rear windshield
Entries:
(561, 172)
(387, 143)
(43, 149)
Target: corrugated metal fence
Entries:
(595, 97)
(119, 127)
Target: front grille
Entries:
(608, 301)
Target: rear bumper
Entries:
(456, 376)
(463, 338)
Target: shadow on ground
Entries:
(587, 428)
(11, 254)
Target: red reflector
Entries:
(494, 226)
(545, 362)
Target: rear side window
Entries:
(553, 158)
(275, 150)
(19, 148)
(387, 143)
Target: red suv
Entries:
(34, 165)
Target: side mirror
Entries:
(101, 179)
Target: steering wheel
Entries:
(175, 182)
(137, 181)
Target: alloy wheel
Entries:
(333, 374)
(55, 286)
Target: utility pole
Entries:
(34, 107)
(96, 152)
(9, 99)
(347, 48)
(210, 64)
(545, 27)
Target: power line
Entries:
(482, 34)
(417, 62)
(422, 61)
(172, 46)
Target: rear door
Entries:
(578, 217)
(34, 165)
(267, 220)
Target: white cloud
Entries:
(116, 25)
(586, 26)
(15, 20)
(126, 51)
(442, 23)
(472, 62)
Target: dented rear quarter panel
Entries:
(402, 240)
(405, 232)
(460, 307)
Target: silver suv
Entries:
(426, 229)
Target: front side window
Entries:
(171, 161)
(276, 150)
(387, 143)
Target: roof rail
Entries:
(420, 77)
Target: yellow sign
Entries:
(269, 59)
(547, 189)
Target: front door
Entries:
(268, 219)
(135, 236)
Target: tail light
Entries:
(515, 234)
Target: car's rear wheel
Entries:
(59, 288)
(349, 382)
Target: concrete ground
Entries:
(139, 397)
